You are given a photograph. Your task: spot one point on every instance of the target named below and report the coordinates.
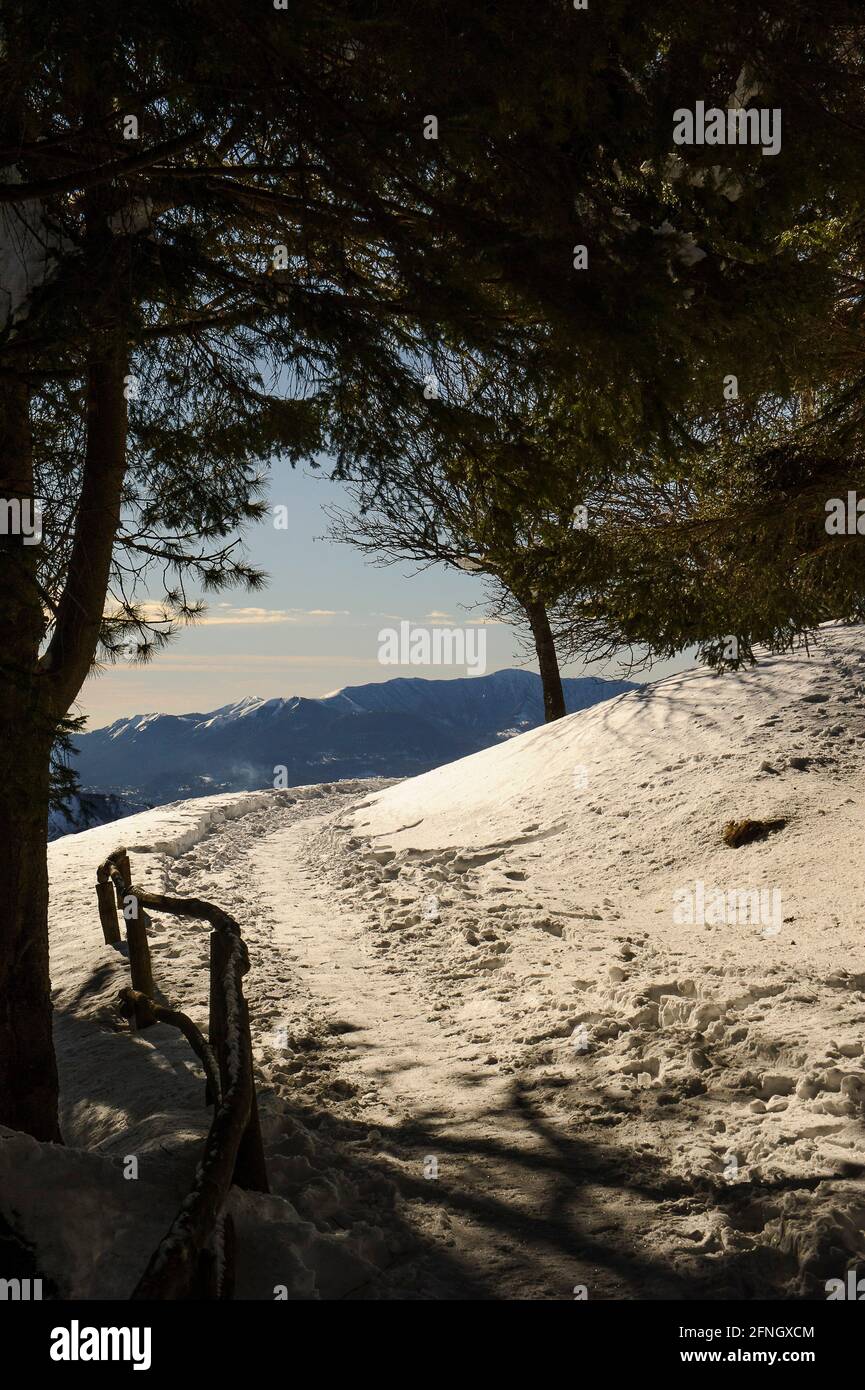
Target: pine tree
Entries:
(213, 225)
(222, 228)
(488, 477)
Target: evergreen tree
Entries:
(211, 223)
(487, 477)
(224, 227)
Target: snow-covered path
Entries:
(524, 1207)
(495, 1059)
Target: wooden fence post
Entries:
(122, 899)
(120, 859)
(217, 1029)
(105, 899)
(250, 1170)
(139, 951)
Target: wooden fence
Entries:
(195, 1258)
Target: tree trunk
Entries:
(548, 661)
(28, 1071)
(35, 693)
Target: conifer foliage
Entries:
(236, 234)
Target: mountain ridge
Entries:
(394, 728)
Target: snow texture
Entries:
(493, 1059)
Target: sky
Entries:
(312, 630)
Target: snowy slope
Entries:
(495, 1058)
(730, 1051)
(83, 1227)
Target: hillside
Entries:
(523, 1024)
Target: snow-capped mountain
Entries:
(396, 728)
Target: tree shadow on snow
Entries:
(560, 1209)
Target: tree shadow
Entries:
(566, 1222)
(539, 1208)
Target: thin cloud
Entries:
(232, 615)
(169, 662)
(258, 617)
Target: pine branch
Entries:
(83, 179)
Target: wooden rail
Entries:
(116, 870)
(183, 1266)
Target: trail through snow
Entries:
(484, 1173)
(496, 1056)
